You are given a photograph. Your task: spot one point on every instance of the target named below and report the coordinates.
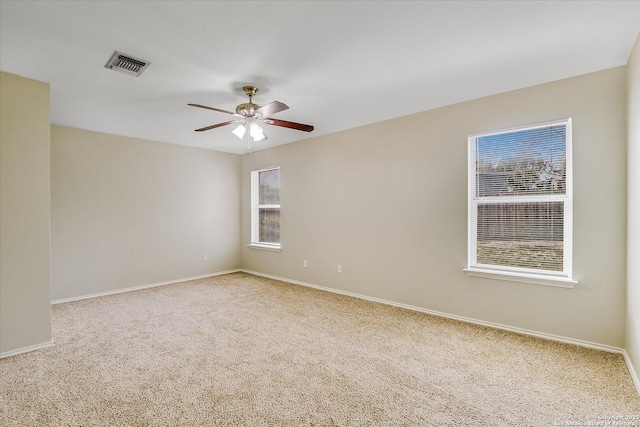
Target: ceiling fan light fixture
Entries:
(239, 131)
(256, 132)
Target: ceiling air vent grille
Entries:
(127, 64)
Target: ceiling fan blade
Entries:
(215, 126)
(271, 108)
(291, 125)
(211, 108)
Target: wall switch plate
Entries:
(205, 258)
(305, 264)
(339, 268)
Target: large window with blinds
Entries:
(520, 202)
(265, 208)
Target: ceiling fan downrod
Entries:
(248, 109)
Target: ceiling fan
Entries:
(250, 114)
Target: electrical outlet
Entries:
(305, 264)
(339, 268)
(205, 258)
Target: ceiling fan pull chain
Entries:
(248, 140)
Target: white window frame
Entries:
(518, 274)
(255, 209)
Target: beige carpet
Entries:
(240, 350)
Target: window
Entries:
(520, 204)
(265, 208)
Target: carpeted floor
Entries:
(241, 350)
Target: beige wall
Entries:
(25, 310)
(633, 212)
(128, 212)
(388, 202)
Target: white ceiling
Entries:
(338, 65)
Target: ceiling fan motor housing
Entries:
(247, 109)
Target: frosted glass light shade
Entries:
(239, 131)
(256, 132)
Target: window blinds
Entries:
(519, 198)
(269, 206)
(526, 162)
(526, 235)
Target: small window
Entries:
(265, 208)
(520, 204)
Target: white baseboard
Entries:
(25, 349)
(632, 371)
(543, 335)
(137, 288)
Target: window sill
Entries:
(272, 248)
(559, 282)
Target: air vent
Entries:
(127, 64)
